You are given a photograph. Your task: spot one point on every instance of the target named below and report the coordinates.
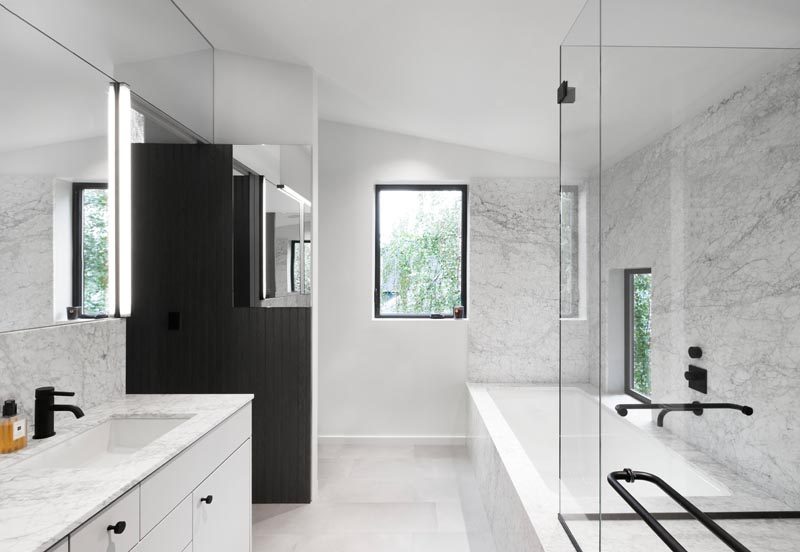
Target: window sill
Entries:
(418, 319)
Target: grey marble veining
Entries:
(714, 208)
(39, 507)
(26, 252)
(87, 358)
(513, 294)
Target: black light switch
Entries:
(174, 321)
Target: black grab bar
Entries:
(630, 476)
(696, 407)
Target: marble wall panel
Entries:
(87, 358)
(513, 280)
(714, 208)
(26, 252)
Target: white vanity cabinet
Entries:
(199, 501)
(222, 508)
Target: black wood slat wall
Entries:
(183, 262)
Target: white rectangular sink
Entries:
(105, 445)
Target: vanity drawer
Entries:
(94, 535)
(163, 490)
(173, 534)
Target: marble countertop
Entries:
(40, 507)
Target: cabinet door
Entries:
(173, 534)
(222, 506)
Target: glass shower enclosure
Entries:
(680, 276)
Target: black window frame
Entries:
(292, 243)
(629, 390)
(77, 241)
(463, 188)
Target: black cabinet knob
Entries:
(207, 499)
(118, 527)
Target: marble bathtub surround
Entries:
(87, 358)
(713, 207)
(521, 507)
(31, 520)
(513, 277)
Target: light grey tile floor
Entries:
(382, 499)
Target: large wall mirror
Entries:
(58, 60)
(272, 238)
(53, 182)
(148, 44)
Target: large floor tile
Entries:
(382, 498)
(349, 518)
(398, 542)
(453, 542)
(367, 490)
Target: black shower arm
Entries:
(696, 407)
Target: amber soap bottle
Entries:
(13, 429)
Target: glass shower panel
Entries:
(679, 343)
(579, 394)
(700, 230)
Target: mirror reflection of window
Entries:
(295, 264)
(90, 248)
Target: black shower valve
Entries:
(695, 352)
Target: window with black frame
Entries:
(420, 250)
(295, 266)
(90, 248)
(638, 331)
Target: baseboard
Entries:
(389, 440)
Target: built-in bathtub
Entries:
(514, 447)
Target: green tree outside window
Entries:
(642, 290)
(420, 251)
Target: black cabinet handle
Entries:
(118, 527)
(207, 499)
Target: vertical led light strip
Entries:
(124, 198)
(263, 238)
(119, 199)
(111, 292)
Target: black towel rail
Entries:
(630, 476)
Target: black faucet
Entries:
(44, 408)
(695, 407)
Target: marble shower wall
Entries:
(514, 274)
(714, 208)
(26, 252)
(87, 358)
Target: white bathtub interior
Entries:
(532, 413)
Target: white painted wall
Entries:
(259, 101)
(81, 160)
(386, 377)
(182, 86)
